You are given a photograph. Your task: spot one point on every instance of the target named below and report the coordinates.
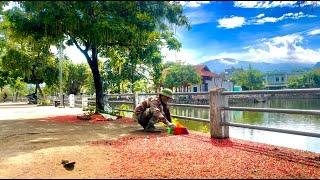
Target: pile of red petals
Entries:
(63, 119)
(97, 118)
(199, 156)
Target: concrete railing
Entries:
(219, 111)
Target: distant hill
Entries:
(219, 65)
(317, 65)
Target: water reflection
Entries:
(246, 117)
(190, 112)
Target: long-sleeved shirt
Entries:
(159, 110)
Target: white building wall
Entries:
(195, 85)
(214, 83)
(228, 85)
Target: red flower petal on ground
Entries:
(198, 156)
(97, 118)
(62, 119)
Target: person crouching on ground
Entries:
(153, 110)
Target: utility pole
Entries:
(60, 51)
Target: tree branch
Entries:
(85, 51)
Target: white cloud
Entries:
(311, 3)
(232, 22)
(260, 16)
(264, 4)
(281, 18)
(193, 4)
(247, 4)
(274, 50)
(274, 4)
(314, 32)
(235, 21)
(279, 4)
(281, 48)
(266, 19)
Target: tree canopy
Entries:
(95, 27)
(31, 60)
(180, 75)
(248, 79)
(308, 80)
(75, 76)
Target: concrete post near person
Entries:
(135, 99)
(217, 115)
(71, 100)
(84, 102)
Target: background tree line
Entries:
(254, 80)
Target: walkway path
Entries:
(18, 111)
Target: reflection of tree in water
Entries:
(190, 112)
(295, 103)
(246, 117)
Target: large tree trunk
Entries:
(97, 81)
(40, 91)
(122, 87)
(36, 91)
(93, 63)
(16, 96)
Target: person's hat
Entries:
(166, 92)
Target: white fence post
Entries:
(136, 99)
(84, 102)
(217, 117)
(71, 100)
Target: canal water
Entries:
(307, 123)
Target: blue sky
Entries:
(259, 31)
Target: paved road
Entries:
(20, 111)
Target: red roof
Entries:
(204, 71)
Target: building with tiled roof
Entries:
(209, 80)
(204, 71)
